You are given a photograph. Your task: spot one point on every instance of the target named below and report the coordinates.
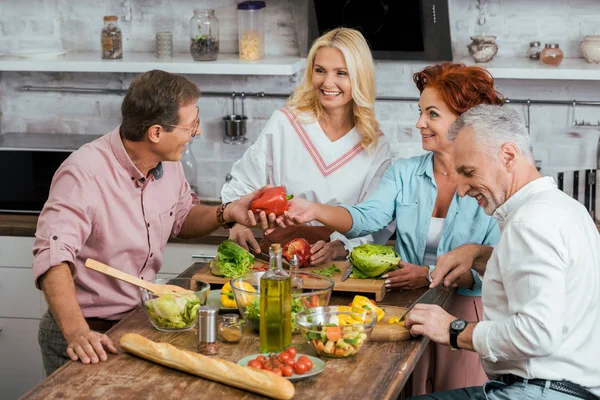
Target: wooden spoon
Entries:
(155, 288)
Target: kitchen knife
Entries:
(347, 273)
(429, 297)
(264, 257)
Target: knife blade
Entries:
(264, 257)
(429, 297)
(347, 273)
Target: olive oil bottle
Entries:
(275, 305)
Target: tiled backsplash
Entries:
(558, 144)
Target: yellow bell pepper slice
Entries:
(366, 304)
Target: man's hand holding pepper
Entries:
(240, 211)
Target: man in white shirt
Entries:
(540, 333)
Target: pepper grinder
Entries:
(207, 330)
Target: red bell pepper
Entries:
(301, 248)
(271, 200)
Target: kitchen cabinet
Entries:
(21, 308)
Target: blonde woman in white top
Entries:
(325, 145)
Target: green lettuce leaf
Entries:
(232, 260)
(174, 311)
(373, 260)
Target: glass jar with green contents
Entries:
(204, 35)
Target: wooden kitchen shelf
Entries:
(524, 68)
(226, 64)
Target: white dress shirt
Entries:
(541, 290)
(298, 155)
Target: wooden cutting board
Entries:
(384, 332)
(375, 287)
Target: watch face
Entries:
(458, 325)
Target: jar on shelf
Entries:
(590, 48)
(552, 55)
(251, 30)
(535, 49)
(204, 35)
(111, 40)
(230, 328)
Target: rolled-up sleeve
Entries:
(187, 200)
(66, 220)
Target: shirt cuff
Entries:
(480, 340)
(354, 231)
(338, 236)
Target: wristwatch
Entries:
(456, 327)
(221, 220)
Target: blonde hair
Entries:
(358, 57)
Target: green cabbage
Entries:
(174, 311)
(373, 260)
(232, 260)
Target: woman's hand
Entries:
(408, 276)
(322, 252)
(301, 211)
(244, 237)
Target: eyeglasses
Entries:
(194, 127)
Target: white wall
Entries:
(33, 23)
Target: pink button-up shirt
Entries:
(100, 206)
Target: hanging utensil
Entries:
(234, 124)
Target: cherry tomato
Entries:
(307, 361)
(287, 371)
(300, 368)
(260, 358)
(284, 356)
(255, 364)
(292, 351)
(290, 361)
(277, 371)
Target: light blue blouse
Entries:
(407, 193)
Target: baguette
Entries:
(215, 369)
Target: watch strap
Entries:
(221, 219)
(454, 335)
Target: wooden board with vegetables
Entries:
(390, 328)
(375, 287)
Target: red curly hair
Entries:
(461, 87)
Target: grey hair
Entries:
(493, 126)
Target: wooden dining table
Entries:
(380, 370)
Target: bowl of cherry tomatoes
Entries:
(288, 364)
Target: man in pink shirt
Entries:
(118, 200)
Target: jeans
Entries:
(494, 390)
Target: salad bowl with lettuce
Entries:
(175, 311)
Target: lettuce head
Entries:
(373, 260)
(232, 260)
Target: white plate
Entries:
(318, 366)
(39, 53)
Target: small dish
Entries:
(318, 366)
(214, 299)
(39, 53)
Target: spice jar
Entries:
(552, 55)
(112, 43)
(535, 48)
(230, 329)
(207, 330)
(204, 35)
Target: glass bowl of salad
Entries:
(336, 331)
(308, 290)
(177, 311)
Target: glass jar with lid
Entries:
(230, 328)
(535, 48)
(111, 40)
(552, 55)
(251, 30)
(204, 35)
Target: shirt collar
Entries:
(522, 195)
(426, 167)
(118, 149)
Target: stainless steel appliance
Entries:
(28, 162)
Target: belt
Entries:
(99, 324)
(565, 387)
